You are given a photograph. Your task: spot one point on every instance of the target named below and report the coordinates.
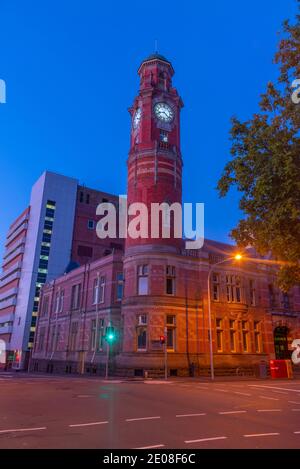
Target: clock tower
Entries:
(155, 162)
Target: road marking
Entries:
(185, 385)
(261, 434)
(206, 439)
(293, 402)
(269, 410)
(233, 412)
(88, 424)
(150, 447)
(296, 410)
(270, 398)
(242, 393)
(297, 433)
(23, 430)
(158, 382)
(221, 390)
(189, 415)
(142, 418)
(273, 387)
(84, 395)
(280, 392)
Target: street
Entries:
(74, 412)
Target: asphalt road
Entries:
(73, 412)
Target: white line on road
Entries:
(269, 410)
(23, 430)
(189, 415)
(297, 433)
(293, 402)
(270, 398)
(280, 392)
(142, 418)
(242, 393)
(261, 434)
(150, 447)
(206, 439)
(88, 424)
(296, 410)
(221, 390)
(273, 387)
(233, 412)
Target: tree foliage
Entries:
(265, 166)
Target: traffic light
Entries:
(110, 334)
(162, 339)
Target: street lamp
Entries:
(237, 257)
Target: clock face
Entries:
(164, 112)
(137, 118)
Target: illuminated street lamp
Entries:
(236, 257)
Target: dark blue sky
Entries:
(71, 72)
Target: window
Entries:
(120, 285)
(93, 335)
(141, 332)
(142, 338)
(164, 137)
(87, 198)
(252, 293)
(257, 337)
(99, 290)
(45, 306)
(57, 339)
(215, 287)
(285, 300)
(56, 302)
(101, 333)
(272, 297)
(75, 296)
(219, 331)
(52, 342)
(142, 280)
(170, 280)
(81, 196)
(61, 301)
(171, 331)
(233, 288)
(245, 336)
(74, 331)
(232, 335)
(41, 339)
(91, 224)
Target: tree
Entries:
(265, 166)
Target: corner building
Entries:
(159, 288)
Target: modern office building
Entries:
(158, 288)
(56, 232)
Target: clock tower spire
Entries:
(155, 162)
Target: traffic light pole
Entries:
(166, 355)
(107, 360)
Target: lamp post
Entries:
(211, 352)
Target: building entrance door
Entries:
(281, 343)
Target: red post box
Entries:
(278, 369)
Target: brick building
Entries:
(157, 287)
